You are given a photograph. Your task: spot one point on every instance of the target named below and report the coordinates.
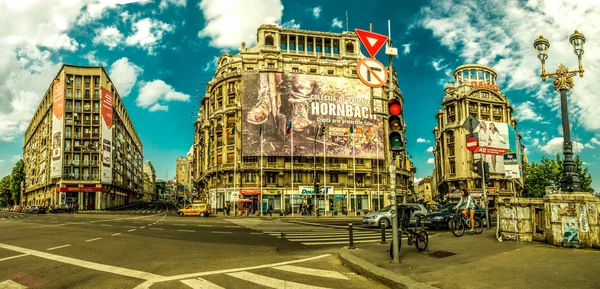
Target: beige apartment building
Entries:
(81, 146)
(262, 112)
(475, 92)
(424, 190)
(183, 175)
(150, 192)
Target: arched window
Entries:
(269, 40)
(350, 48)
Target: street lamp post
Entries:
(563, 82)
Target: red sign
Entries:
(107, 107)
(372, 41)
(484, 85)
(79, 189)
(250, 192)
(492, 151)
(371, 72)
(472, 144)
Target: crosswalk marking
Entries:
(312, 272)
(10, 284)
(200, 284)
(271, 282)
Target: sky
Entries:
(160, 54)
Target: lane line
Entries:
(13, 257)
(271, 282)
(54, 248)
(255, 233)
(116, 234)
(85, 264)
(192, 231)
(233, 226)
(149, 283)
(92, 240)
(200, 284)
(338, 239)
(180, 225)
(205, 226)
(221, 232)
(158, 229)
(129, 227)
(312, 272)
(142, 227)
(131, 230)
(106, 225)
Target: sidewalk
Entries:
(477, 261)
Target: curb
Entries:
(383, 276)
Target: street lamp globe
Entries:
(577, 40)
(541, 45)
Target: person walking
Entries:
(271, 210)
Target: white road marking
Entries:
(205, 225)
(116, 234)
(131, 230)
(92, 240)
(10, 284)
(12, 257)
(54, 248)
(232, 226)
(220, 232)
(200, 284)
(137, 222)
(337, 239)
(106, 225)
(312, 272)
(256, 233)
(129, 227)
(187, 231)
(340, 242)
(179, 225)
(149, 283)
(160, 229)
(119, 221)
(142, 227)
(270, 282)
(86, 264)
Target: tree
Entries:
(548, 172)
(17, 176)
(584, 175)
(5, 195)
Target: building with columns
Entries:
(262, 112)
(475, 92)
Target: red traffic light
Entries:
(394, 107)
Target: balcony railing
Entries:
(95, 122)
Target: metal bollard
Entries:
(383, 234)
(351, 235)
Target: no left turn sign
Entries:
(371, 72)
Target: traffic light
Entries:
(321, 130)
(478, 168)
(395, 125)
(486, 171)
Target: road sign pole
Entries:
(484, 187)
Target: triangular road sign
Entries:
(372, 41)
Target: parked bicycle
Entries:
(416, 235)
(458, 222)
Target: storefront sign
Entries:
(79, 189)
(484, 85)
(250, 192)
(310, 190)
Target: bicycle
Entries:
(458, 222)
(419, 238)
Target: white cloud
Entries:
(430, 149)
(124, 75)
(229, 23)
(157, 107)
(316, 12)
(595, 141)
(422, 140)
(92, 60)
(336, 23)
(16, 158)
(166, 3)
(501, 34)
(524, 111)
(157, 90)
(589, 146)
(406, 48)
(417, 180)
(430, 161)
(555, 145)
(211, 64)
(148, 34)
(291, 25)
(109, 36)
(437, 65)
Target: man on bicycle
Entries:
(467, 205)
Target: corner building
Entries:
(81, 146)
(265, 106)
(475, 92)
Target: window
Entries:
(271, 159)
(250, 177)
(271, 65)
(298, 177)
(78, 93)
(69, 93)
(87, 82)
(333, 177)
(78, 82)
(451, 150)
(295, 69)
(333, 160)
(329, 71)
(350, 48)
(269, 40)
(271, 178)
(452, 168)
(250, 159)
(472, 108)
(360, 162)
(96, 82)
(485, 109)
(96, 94)
(360, 178)
(450, 137)
(313, 70)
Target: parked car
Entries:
(439, 219)
(61, 209)
(37, 210)
(384, 216)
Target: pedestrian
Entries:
(271, 210)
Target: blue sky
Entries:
(158, 53)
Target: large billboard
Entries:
(58, 110)
(271, 100)
(500, 148)
(106, 145)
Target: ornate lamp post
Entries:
(563, 82)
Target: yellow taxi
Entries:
(195, 209)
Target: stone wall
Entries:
(570, 220)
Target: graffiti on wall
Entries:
(562, 210)
(583, 219)
(593, 213)
(569, 230)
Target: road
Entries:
(150, 246)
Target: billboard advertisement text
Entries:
(273, 100)
(107, 122)
(58, 109)
(499, 147)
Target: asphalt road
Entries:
(150, 246)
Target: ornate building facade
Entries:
(475, 92)
(81, 146)
(270, 100)
(150, 192)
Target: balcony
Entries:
(271, 165)
(86, 162)
(69, 121)
(94, 162)
(75, 162)
(87, 122)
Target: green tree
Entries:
(17, 176)
(548, 172)
(5, 195)
(584, 175)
